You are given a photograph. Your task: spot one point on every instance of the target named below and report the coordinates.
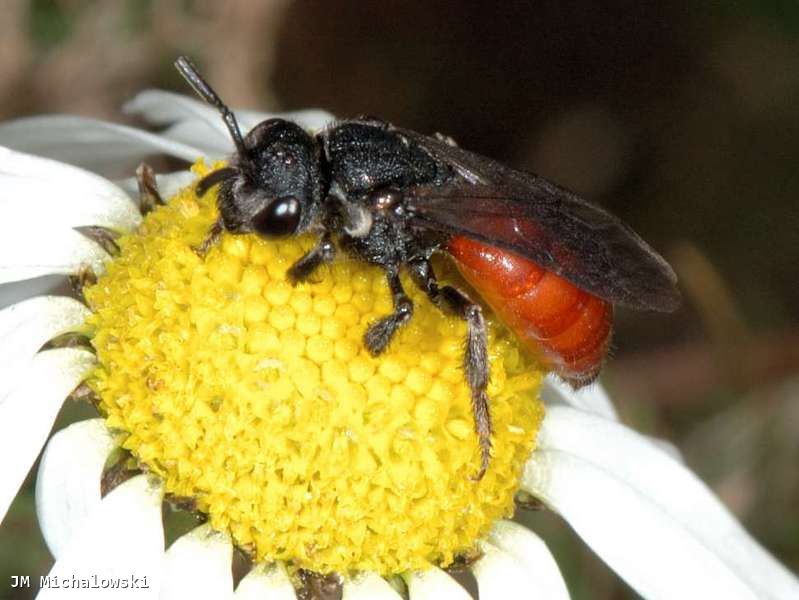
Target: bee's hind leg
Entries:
(475, 359)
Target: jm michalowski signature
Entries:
(92, 582)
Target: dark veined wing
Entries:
(533, 217)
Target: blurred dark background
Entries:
(681, 118)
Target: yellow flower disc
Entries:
(259, 400)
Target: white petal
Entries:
(500, 576)
(535, 559)
(633, 535)
(168, 184)
(68, 481)
(123, 541)
(313, 120)
(25, 254)
(28, 202)
(159, 107)
(189, 121)
(102, 147)
(434, 584)
(198, 565)
(215, 145)
(195, 123)
(33, 189)
(16, 291)
(667, 447)
(369, 586)
(28, 412)
(266, 582)
(639, 509)
(592, 398)
(26, 326)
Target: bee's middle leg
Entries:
(380, 333)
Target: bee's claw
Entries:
(485, 456)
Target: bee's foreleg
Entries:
(213, 178)
(224, 199)
(475, 359)
(211, 239)
(381, 331)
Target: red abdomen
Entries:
(568, 328)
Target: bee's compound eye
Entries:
(280, 218)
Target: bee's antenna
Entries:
(206, 92)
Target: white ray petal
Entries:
(47, 250)
(33, 189)
(123, 541)
(632, 535)
(434, 584)
(28, 412)
(169, 184)
(167, 108)
(26, 326)
(195, 123)
(17, 291)
(159, 107)
(266, 582)
(500, 576)
(667, 447)
(29, 201)
(68, 480)
(102, 147)
(198, 565)
(592, 398)
(640, 509)
(530, 551)
(215, 145)
(369, 586)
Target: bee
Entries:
(548, 263)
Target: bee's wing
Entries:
(535, 218)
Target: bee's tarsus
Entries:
(211, 239)
(380, 333)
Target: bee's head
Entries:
(277, 184)
(273, 184)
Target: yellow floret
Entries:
(258, 400)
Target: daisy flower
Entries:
(223, 389)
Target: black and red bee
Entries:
(549, 264)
